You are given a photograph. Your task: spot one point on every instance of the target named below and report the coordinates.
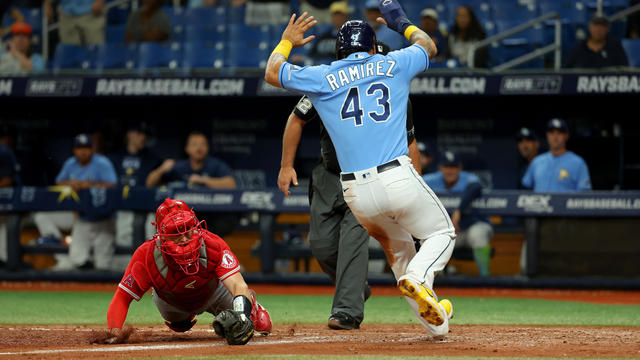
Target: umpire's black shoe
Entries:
(343, 321)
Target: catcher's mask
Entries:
(180, 235)
(167, 207)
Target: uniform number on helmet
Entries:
(351, 106)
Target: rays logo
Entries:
(535, 203)
(387, 2)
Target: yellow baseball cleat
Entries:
(428, 306)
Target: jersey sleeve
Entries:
(413, 59)
(584, 180)
(527, 179)
(305, 110)
(136, 281)
(306, 80)
(228, 264)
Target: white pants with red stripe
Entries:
(394, 205)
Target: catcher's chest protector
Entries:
(188, 292)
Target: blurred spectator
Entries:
(599, 49)
(426, 158)
(82, 22)
(466, 31)
(324, 48)
(383, 33)
(83, 170)
(528, 147)
(320, 9)
(202, 3)
(9, 170)
(148, 24)
(198, 171)
(474, 230)
(19, 58)
(14, 13)
(132, 166)
(429, 24)
(633, 22)
(557, 170)
(265, 12)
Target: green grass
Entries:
(89, 308)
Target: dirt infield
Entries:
(409, 340)
(74, 342)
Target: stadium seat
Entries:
(249, 34)
(511, 49)
(205, 33)
(235, 15)
(632, 48)
(115, 33)
(514, 11)
(247, 55)
(533, 35)
(72, 57)
(159, 55)
(203, 54)
(206, 16)
(115, 56)
(176, 15)
(574, 12)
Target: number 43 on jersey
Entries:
(352, 109)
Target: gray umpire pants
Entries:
(339, 243)
(220, 300)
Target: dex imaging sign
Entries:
(535, 203)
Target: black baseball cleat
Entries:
(343, 321)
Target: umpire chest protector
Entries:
(188, 292)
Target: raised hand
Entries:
(296, 28)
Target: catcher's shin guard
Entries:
(182, 326)
(260, 316)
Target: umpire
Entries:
(338, 241)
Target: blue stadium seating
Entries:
(632, 48)
(511, 49)
(247, 55)
(533, 35)
(176, 15)
(235, 15)
(203, 54)
(574, 12)
(159, 55)
(249, 34)
(71, 57)
(115, 33)
(512, 10)
(118, 15)
(205, 33)
(115, 56)
(206, 16)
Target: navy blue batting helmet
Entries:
(354, 36)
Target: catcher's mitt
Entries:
(235, 326)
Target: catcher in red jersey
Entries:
(190, 270)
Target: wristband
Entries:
(284, 48)
(242, 304)
(409, 31)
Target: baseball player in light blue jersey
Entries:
(557, 170)
(362, 101)
(474, 230)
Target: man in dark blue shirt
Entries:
(474, 230)
(198, 171)
(599, 49)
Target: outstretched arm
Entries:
(292, 37)
(394, 17)
(290, 141)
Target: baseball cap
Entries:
(599, 19)
(21, 28)
(139, 126)
(526, 133)
(339, 7)
(371, 4)
(423, 148)
(429, 12)
(450, 158)
(82, 140)
(558, 124)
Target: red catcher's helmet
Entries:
(167, 207)
(180, 235)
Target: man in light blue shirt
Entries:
(362, 101)
(557, 170)
(84, 170)
(474, 230)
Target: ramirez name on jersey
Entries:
(357, 72)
